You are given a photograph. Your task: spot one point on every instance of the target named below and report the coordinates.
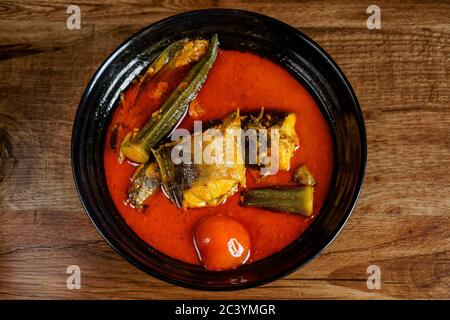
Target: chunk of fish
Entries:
(285, 124)
(145, 181)
(196, 185)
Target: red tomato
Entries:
(222, 243)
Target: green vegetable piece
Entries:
(163, 121)
(298, 200)
(166, 56)
(303, 176)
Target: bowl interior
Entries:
(237, 30)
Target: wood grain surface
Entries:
(400, 74)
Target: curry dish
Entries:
(217, 214)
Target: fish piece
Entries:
(145, 181)
(288, 140)
(195, 185)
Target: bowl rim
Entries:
(292, 268)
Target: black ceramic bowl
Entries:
(238, 30)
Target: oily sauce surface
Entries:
(237, 80)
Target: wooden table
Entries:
(400, 73)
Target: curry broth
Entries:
(237, 80)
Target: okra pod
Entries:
(298, 200)
(165, 56)
(303, 176)
(163, 121)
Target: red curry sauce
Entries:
(237, 80)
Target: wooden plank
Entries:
(400, 74)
